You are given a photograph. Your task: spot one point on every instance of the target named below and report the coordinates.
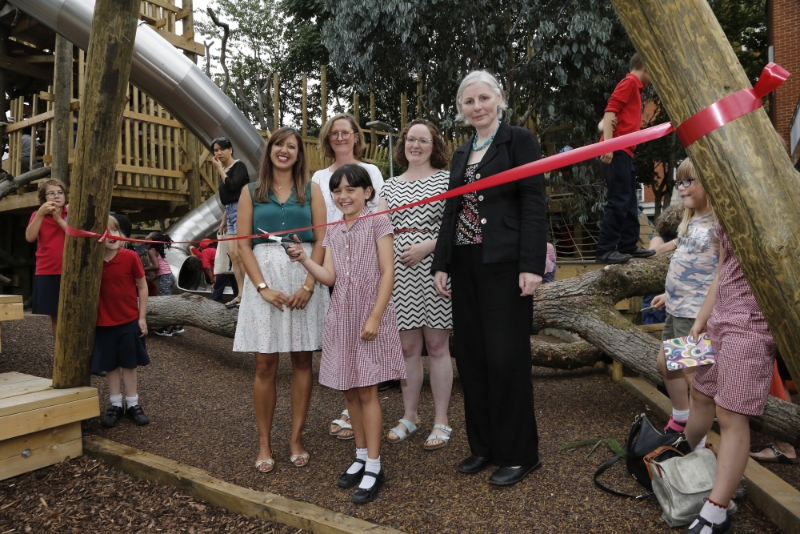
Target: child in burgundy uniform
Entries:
(119, 339)
(735, 387)
(619, 231)
(47, 226)
(361, 344)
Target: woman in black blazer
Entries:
(493, 245)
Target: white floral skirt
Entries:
(261, 326)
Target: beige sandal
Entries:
(270, 465)
(342, 423)
(295, 457)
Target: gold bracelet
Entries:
(307, 289)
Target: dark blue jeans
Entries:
(219, 286)
(620, 227)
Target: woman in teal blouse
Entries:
(283, 308)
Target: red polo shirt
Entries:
(119, 299)
(626, 102)
(207, 256)
(49, 245)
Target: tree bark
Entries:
(9, 186)
(108, 67)
(743, 165)
(62, 115)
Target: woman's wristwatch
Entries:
(260, 287)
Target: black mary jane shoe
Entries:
(348, 480)
(112, 416)
(474, 464)
(362, 496)
(136, 414)
(507, 476)
(723, 528)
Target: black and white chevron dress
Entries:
(415, 298)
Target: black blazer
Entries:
(513, 215)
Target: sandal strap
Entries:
(409, 425)
(402, 434)
(342, 423)
(444, 428)
(370, 474)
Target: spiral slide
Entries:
(173, 80)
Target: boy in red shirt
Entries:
(207, 255)
(619, 231)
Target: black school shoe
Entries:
(362, 496)
(640, 252)
(347, 480)
(507, 476)
(136, 414)
(612, 257)
(112, 416)
(724, 528)
(474, 464)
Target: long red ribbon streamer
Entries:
(698, 125)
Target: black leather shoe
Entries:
(112, 416)
(724, 528)
(641, 253)
(389, 384)
(506, 476)
(362, 496)
(347, 480)
(474, 464)
(136, 414)
(612, 257)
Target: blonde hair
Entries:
(113, 224)
(686, 170)
(325, 143)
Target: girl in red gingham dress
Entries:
(360, 344)
(735, 387)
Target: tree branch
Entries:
(226, 30)
(9, 186)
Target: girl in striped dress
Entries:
(360, 344)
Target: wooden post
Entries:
(743, 165)
(5, 31)
(192, 145)
(419, 95)
(403, 111)
(323, 93)
(355, 106)
(62, 116)
(276, 111)
(304, 106)
(109, 65)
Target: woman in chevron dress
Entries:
(423, 316)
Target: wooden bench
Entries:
(39, 425)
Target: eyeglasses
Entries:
(339, 135)
(686, 184)
(54, 194)
(421, 141)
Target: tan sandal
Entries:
(270, 465)
(295, 457)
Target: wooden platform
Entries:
(39, 425)
(10, 310)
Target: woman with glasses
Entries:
(423, 316)
(342, 139)
(48, 226)
(493, 246)
(233, 176)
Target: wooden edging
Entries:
(236, 499)
(777, 499)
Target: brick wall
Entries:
(784, 23)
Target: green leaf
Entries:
(615, 447)
(578, 444)
(593, 448)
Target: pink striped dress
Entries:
(347, 360)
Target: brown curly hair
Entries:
(668, 222)
(440, 154)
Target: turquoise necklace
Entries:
(476, 148)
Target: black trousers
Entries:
(620, 228)
(491, 328)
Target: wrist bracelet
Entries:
(307, 289)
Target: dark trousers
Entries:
(219, 286)
(491, 327)
(620, 228)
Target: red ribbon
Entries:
(731, 107)
(698, 125)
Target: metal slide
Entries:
(175, 82)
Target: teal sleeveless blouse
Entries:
(273, 216)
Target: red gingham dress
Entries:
(347, 360)
(741, 376)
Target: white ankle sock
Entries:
(701, 445)
(713, 513)
(680, 415)
(361, 454)
(373, 466)
(116, 400)
(130, 402)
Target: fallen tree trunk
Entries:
(9, 186)
(585, 305)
